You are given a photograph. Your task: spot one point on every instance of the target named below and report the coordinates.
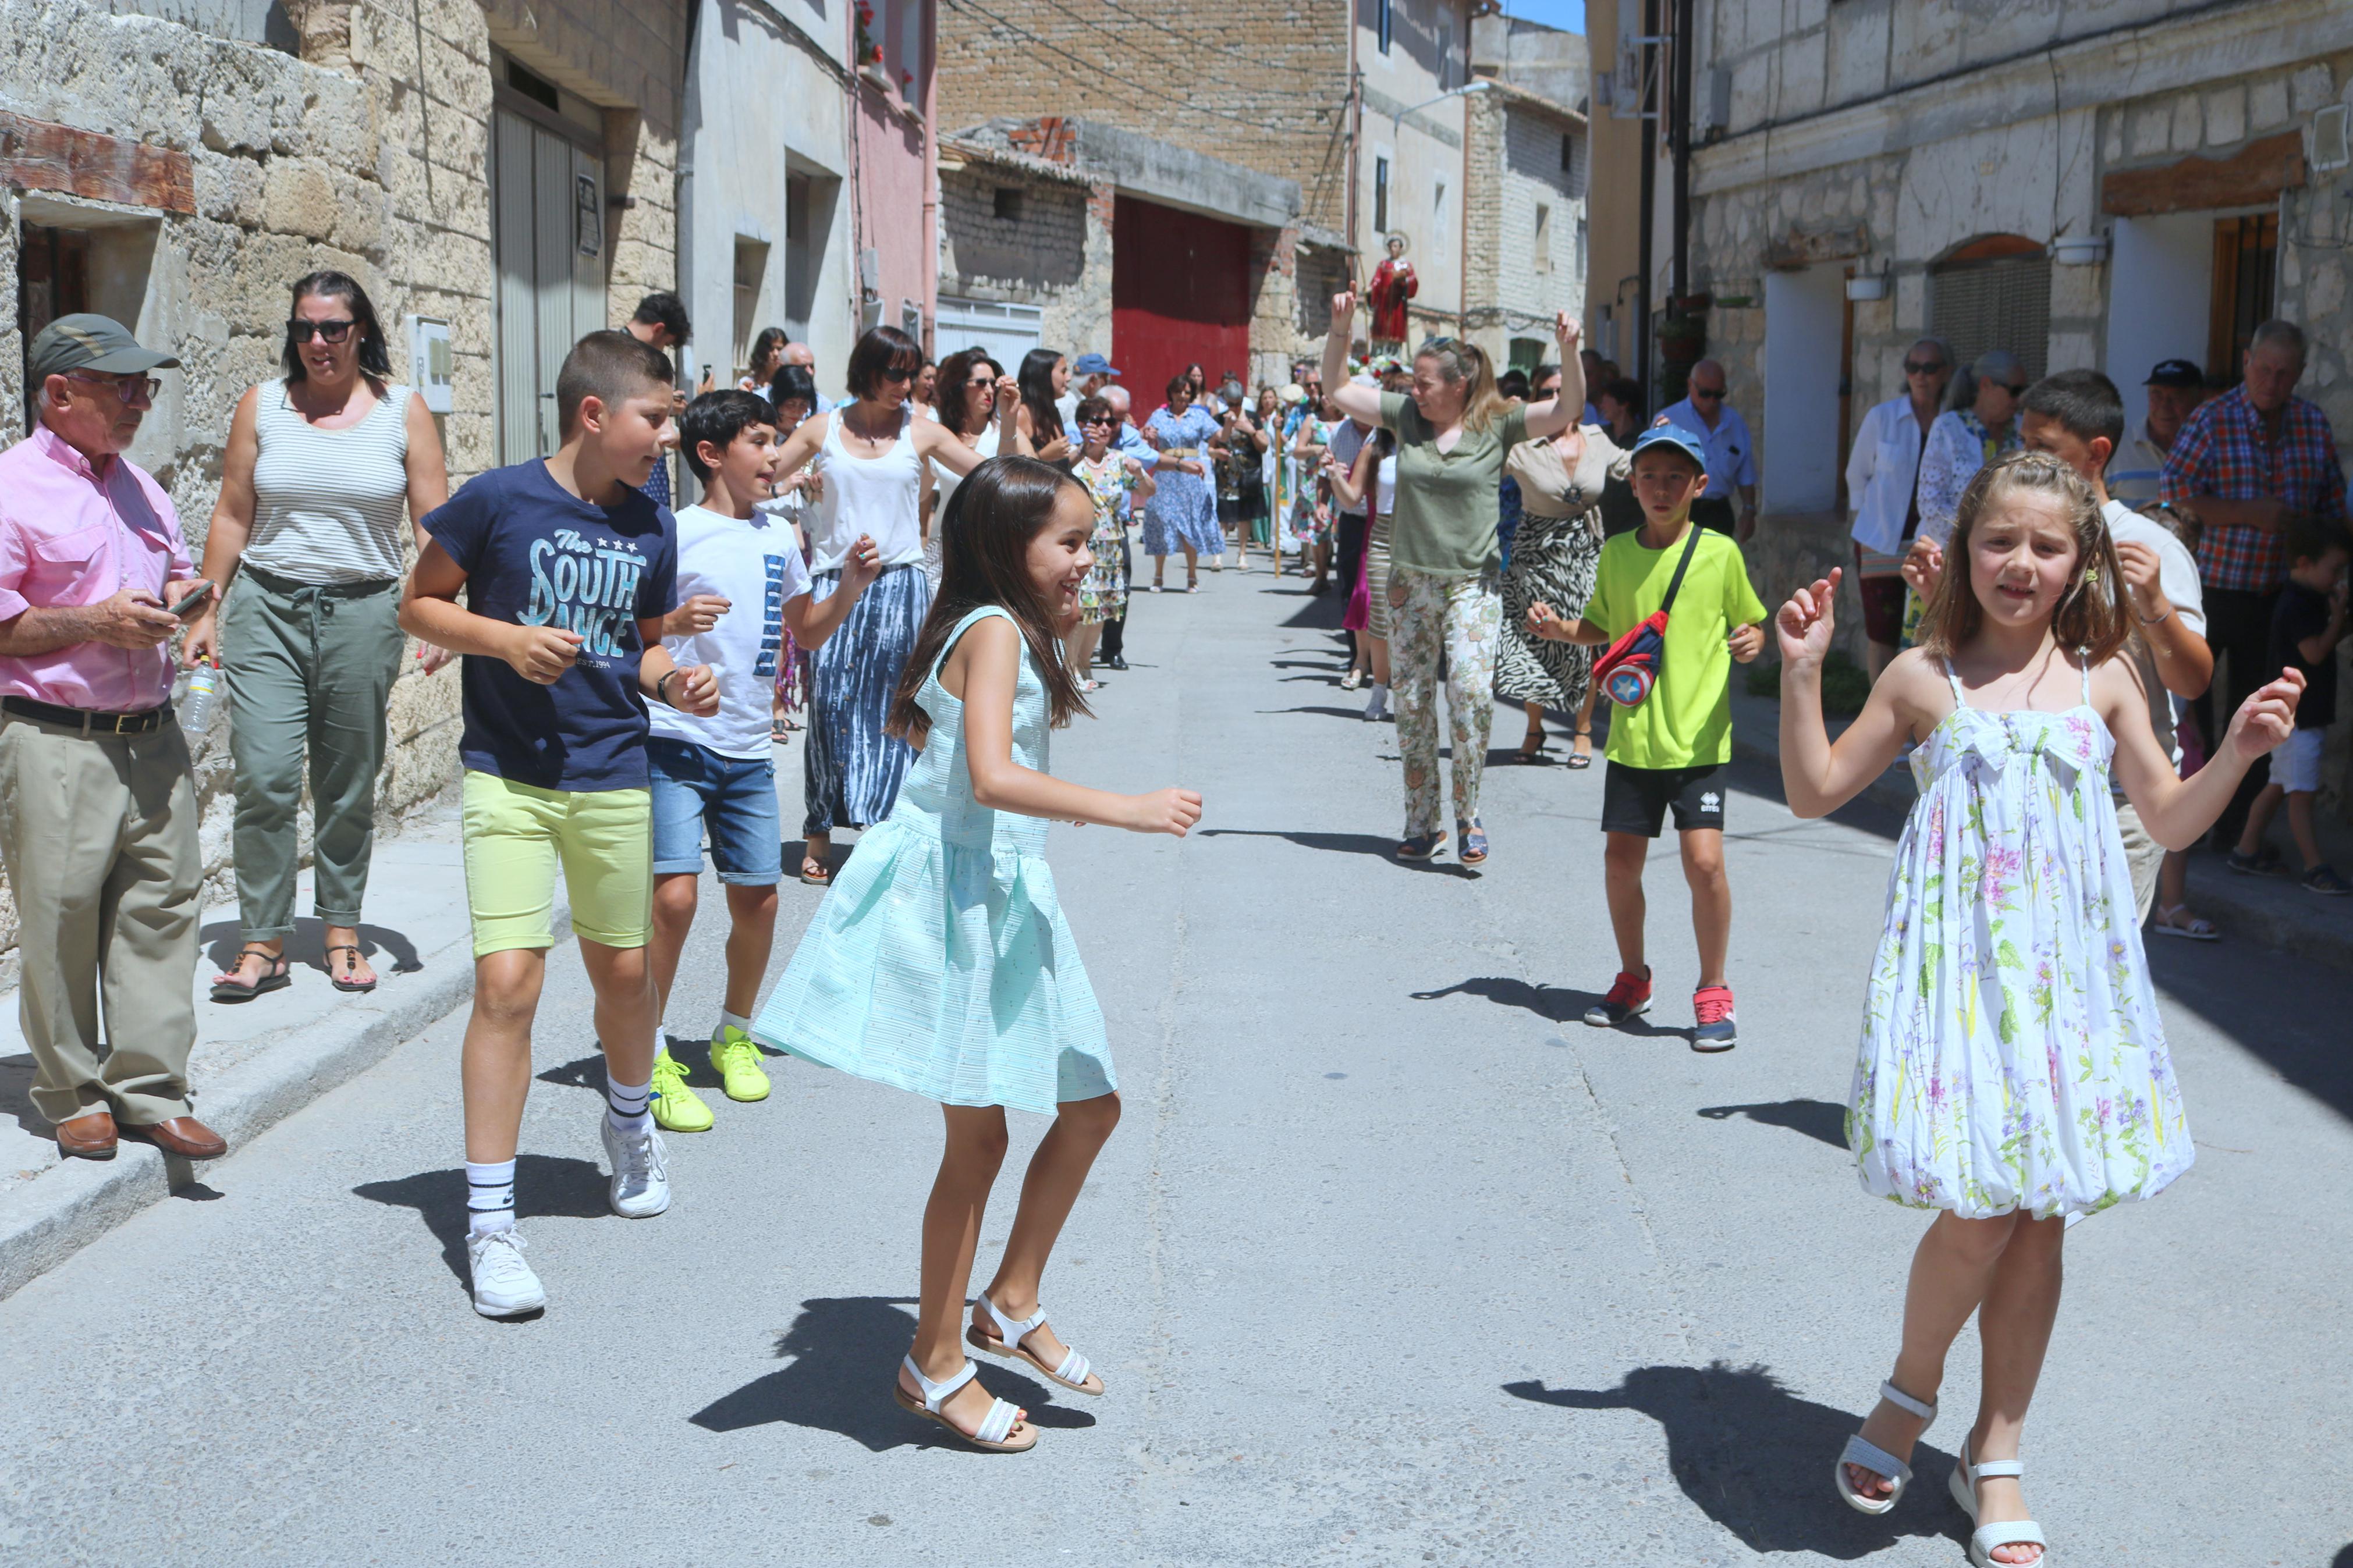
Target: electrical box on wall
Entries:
(2330, 150)
(430, 365)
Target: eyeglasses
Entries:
(1712, 393)
(327, 331)
(2016, 389)
(1914, 367)
(130, 388)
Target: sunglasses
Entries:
(1713, 393)
(1096, 424)
(894, 373)
(130, 388)
(2016, 389)
(327, 331)
(1914, 367)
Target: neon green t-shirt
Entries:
(1686, 722)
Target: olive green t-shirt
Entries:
(1446, 506)
(1686, 721)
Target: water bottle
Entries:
(196, 705)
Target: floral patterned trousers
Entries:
(1461, 619)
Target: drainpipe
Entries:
(1646, 122)
(1679, 128)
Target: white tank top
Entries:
(329, 505)
(1385, 486)
(945, 480)
(879, 496)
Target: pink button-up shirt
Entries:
(74, 534)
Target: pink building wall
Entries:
(897, 156)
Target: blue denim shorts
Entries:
(696, 787)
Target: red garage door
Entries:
(1179, 293)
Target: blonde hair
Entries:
(2091, 616)
(1466, 363)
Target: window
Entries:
(1381, 191)
(1568, 152)
(1009, 203)
(1527, 354)
(1994, 293)
(1541, 257)
(2246, 260)
(750, 275)
(1381, 23)
(52, 281)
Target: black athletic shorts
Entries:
(1635, 800)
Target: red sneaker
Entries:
(1629, 996)
(1712, 1005)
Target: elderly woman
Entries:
(1182, 512)
(1453, 433)
(1883, 484)
(325, 464)
(1979, 428)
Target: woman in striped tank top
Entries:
(322, 465)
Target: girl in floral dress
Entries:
(1114, 479)
(2013, 1070)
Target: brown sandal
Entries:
(277, 974)
(344, 981)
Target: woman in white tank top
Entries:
(325, 472)
(871, 455)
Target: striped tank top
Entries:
(329, 505)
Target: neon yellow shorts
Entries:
(515, 834)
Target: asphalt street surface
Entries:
(1392, 1260)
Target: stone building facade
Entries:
(182, 176)
(1524, 203)
(1021, 234)
(2108, 189)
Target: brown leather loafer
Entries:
(184, 1136)
(88, 1137)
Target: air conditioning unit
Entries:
(2331, 147)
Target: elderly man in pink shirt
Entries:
(97, 811)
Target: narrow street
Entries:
(1392, 1260)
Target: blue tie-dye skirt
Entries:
(851, 769)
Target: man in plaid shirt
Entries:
(2242, 463)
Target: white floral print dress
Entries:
(2013, 1056)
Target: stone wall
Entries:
(370, 155)
(1514, 157)
(1034, 249)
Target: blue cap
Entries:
(1093, 365)
(2178, 372)
(1667, 433)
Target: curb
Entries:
(74, 1202)
(2215, 892)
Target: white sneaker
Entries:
(504, 1286)
(640, 1187)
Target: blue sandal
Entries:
(1422, 845)
(1474, 842)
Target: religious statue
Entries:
(1393, 284)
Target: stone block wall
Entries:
(1513, 158)
(1263, 86)
(1049, 251)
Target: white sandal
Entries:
(1075, 1370)
(1002, 1417)
(1870, 1456)
(1986, 1537)
(2196, 927)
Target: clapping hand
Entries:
(1805, 623)
(864, 562)
(2143, 573)
(1568, 331)
(2266, 719)
(1343, 309)
(695, 615)
(1923, 564)
(1008, 394)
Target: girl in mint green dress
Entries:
(2014, 1072)
(940, 962)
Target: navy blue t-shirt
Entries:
(2302, 613)
(535, 554)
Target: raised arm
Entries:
(1362, 404)
(1351, 483)
(1558, 412)
(1818, 775)
(2176, 810)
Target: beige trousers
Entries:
(2144, 855)
(98, 838)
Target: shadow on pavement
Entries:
(1816, 1119)
(1370, 844)
(1357, 714)
(1757, 1459)
(546, 1186)
(16, 1095)
(844, 1353)
(222, 939)
(1554, 1004)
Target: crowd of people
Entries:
(927, 576)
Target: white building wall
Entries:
(1532, 177)
(1426, 58)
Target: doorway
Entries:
(547, 233)
(1180, 294)
(1805, 328)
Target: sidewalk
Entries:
(258, 1062)
(2272, 910)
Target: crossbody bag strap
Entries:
(1675, 585)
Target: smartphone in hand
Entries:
(199, 592)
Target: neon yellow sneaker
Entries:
(737, 1061)
(677, 1109)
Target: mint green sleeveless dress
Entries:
(940, 960)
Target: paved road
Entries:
(1389, 1264)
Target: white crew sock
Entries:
(727, 1018)
(626, 1103)
(489, 1197)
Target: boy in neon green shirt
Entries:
(1670, 751)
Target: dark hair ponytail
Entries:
(984, 538)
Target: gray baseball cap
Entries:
(85, 342)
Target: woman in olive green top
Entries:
(1445, 588)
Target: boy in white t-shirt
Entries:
(741, 585)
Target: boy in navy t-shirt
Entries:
(567, 570)
(2306, 626)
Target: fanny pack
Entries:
(1630, 668)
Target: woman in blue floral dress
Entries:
(2013, 1071)
(1183, 513)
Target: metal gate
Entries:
(1005, 332)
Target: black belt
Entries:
(146, 722)
(288, 587)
